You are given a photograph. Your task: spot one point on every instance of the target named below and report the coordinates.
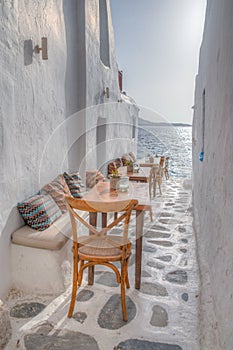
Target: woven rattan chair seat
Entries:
(101, 246)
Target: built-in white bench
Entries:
(41, 259)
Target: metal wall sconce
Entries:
(106, 92)
(43, 48)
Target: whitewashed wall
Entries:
(213, 180)
(117, 116)
(38, 96)
(32, 105)
(105, 117)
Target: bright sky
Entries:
(157, 45)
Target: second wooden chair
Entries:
(155, 177)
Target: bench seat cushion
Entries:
(53, 238)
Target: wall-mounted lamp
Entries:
(43, 48)
(106, 92)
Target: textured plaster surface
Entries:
(213, 181)
(41, 270)
(114, 121)
(32, 105)
(161, 320)
(41, 132)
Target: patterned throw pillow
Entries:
(74, 182)
(132, 156)
(93, 177)
(57, 189)
(39, 211)
(115, 164)
(126, 158)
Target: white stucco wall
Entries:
(213, 181)
(93, 77)
(36, 96)
(118, 116)
(32, 104)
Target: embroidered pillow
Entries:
(57, 189)
(74, 182)
(39, 211)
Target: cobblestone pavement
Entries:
(163, 314)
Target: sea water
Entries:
(175, 142)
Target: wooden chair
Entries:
(100, 248)
(165, 168)
(155, 177)
(161, 162)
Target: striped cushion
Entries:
(39, 211)
(74, 182)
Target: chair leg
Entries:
(127, 275)
(160, 191)
(123, 294)
(91, 271)
(151, 215)
(154, 187)
(80, 274)
(75, 286)
(150, 186)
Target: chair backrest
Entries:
(161, 161)
(155, 170)
(155, 174)
(125, 207)
(166, 162)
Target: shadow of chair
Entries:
(100, 247)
